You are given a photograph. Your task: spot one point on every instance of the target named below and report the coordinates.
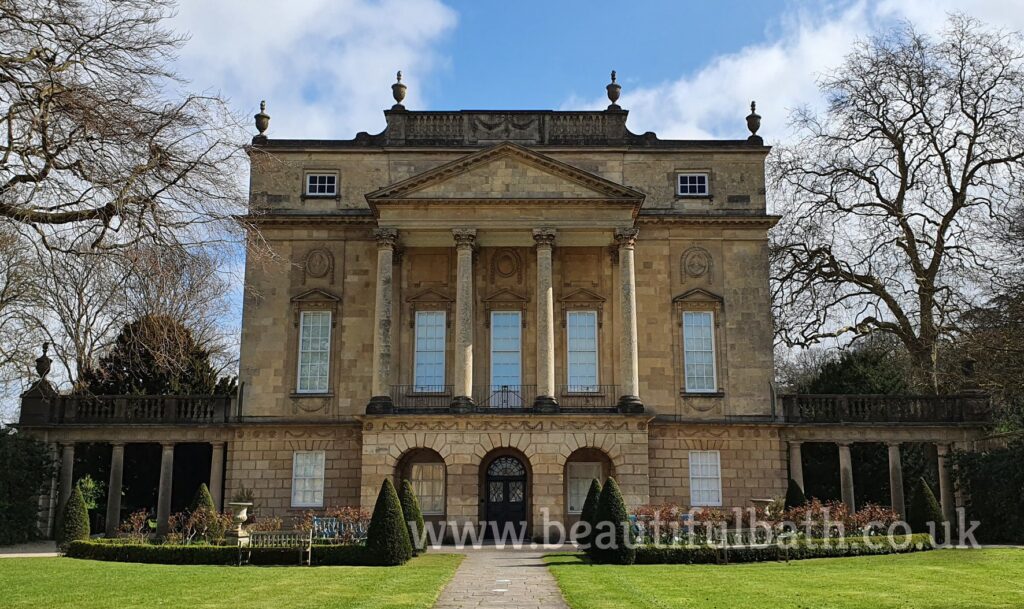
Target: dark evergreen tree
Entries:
(387, 540)
(589, 515)
(26, 472)
(924, 508)
(75, 525)
(794, 495)
(154, 355)
(203, 500)
(413, 516)
(612, 514)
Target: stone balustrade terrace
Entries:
(967, 407)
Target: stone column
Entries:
(796, 464)
(163, 502)
(545, 239)
(846, 475)
(67, 481)
(114, 488)
(629, 369)
(217, 475)
(380, 401)
(946, 485)
(465, 240)
(896, 480)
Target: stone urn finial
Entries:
(614, 90)
(398, 92)
(262, 119)
(753, 124)
(43, 362)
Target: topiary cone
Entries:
(794, 495)
(589, 515)
(924, 508)
(387, 540)
(76, 520)
(413, 517)
(203, 499)
(612, 514)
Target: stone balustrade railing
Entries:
(127, 409)
(966, 407)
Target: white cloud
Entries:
(325, 67)
(781, 75)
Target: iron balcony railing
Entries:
(504, 397)
(588, 398)
(935, 409)
(128, 409)
(421, 398)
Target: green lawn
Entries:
(83, 584)
(941, 579)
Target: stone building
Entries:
(501, 306)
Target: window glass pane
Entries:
(321, 184)
(699, 351)
(693, 184)
(314, 351)
(581, 334)
(429, 361)
(428, 484)
(580, 476)
(506, 348)
(705, 478)
(308, 478)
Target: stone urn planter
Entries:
(239, 514)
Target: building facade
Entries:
(501, 306)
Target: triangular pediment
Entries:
(315, 295)
(581, 295)
(506, 295)
(430, 295)
(697, 295)
(505, 172)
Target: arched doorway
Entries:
(506, 500)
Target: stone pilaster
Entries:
(545, 401)
(896, 480)
(796, 464)
(163, 501)
(465, 240)
(380, 401)
(946, 485)
(629, 369)
(114, 488)
(846, 476)
(217, 475)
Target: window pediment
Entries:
(583, 299)
(430, 300)
(504, 300)
(315, 300)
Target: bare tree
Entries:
(893, 197)
(97, 139)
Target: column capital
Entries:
(844, 443)
(942, 448)
(464, 237)
(794, 442)
(544, 237)
(218, 444)
(116, 444)
(626, 237)
(892, 443)
(386, 237)
(166, 445)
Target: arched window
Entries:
(425, 470)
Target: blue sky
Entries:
(688, 68)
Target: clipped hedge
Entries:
(815, 548)
(199, 554)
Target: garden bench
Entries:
(300, 541)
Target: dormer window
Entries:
(321, 184)
(692, 184)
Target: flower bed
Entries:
(203, 554)
(794, 550)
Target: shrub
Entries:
(993, 481)
(76, 520)
(203, 499)
(413, 517)
(136, 528)
(387, 541)
(589, 515)
(924, 509)
(794, 495)
(167, 554)
(804, 549)
(611, 513)
(26, 472)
